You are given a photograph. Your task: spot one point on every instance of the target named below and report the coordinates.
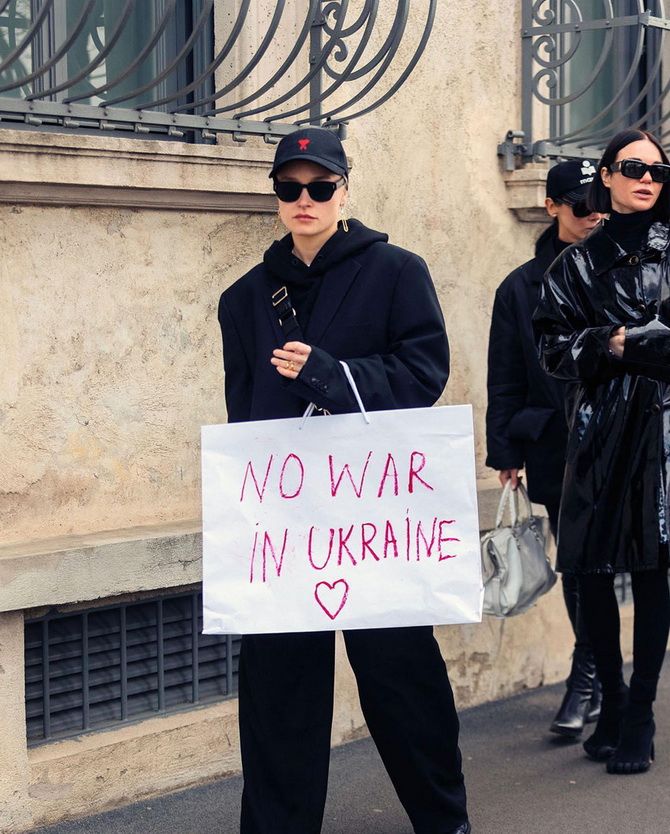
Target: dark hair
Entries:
(550, 232)
(598, 197)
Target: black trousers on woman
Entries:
(286, 708)
(600, 609)
(582, 652)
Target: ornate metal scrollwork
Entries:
(597, 67)
(83, 63)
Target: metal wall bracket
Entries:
(512, 148)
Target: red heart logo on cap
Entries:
(303, 143)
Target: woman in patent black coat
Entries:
(525, 419)
(324, 293)
(604, 324)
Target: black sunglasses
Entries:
(320, 191)
(634, 169)
(579, 209)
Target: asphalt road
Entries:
(520, 781)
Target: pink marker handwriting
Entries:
(343, 477)
(368, 477)
(267, 549)
(411, 540)
(290, 481)
(332, 598)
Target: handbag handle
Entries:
(350, 379)
(511, 497)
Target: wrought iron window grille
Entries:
(107, 666)
(589, 69)
(81, 65)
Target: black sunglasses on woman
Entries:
(288, 191)
(635, 169)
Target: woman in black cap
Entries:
(525, 420)
(604, 324)
(330, 291)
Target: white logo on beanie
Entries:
(588, 168)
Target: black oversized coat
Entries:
(376, 308)
(525, 418)
(613, 488)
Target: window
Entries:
(105, 666)
(614, 74)
(589, 69)
(106, 52)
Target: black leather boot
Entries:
(596, 699)
(577, 707)
(604, 740)
(635, 751)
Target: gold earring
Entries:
(345, 225)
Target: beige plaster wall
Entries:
(113, 361)
(15, 811)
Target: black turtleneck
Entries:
(559, 245)
(630, 230)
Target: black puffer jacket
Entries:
(371, 304)
(525, 418)
(613, 495)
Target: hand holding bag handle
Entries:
(512, 498)
(350, 379)
(514, 562)
(288, 321)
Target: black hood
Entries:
(281, 262)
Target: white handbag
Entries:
(515, 568)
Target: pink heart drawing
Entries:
(334, 597)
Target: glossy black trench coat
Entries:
(613, 491)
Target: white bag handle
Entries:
(350, 379)
(512, 497)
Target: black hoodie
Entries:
(303, 282)
(362, 300)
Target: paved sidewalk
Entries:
(520, 781)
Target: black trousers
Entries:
(286, 707)
(651, 601)
(571, 598)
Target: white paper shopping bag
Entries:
(332, 522)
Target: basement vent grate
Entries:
(105, 666)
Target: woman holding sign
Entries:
(604, 324)
(334, 290)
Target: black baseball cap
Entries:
(315, 144)
(569, 181)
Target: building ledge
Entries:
(73, 170)
(526, 192)
(95, 566)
